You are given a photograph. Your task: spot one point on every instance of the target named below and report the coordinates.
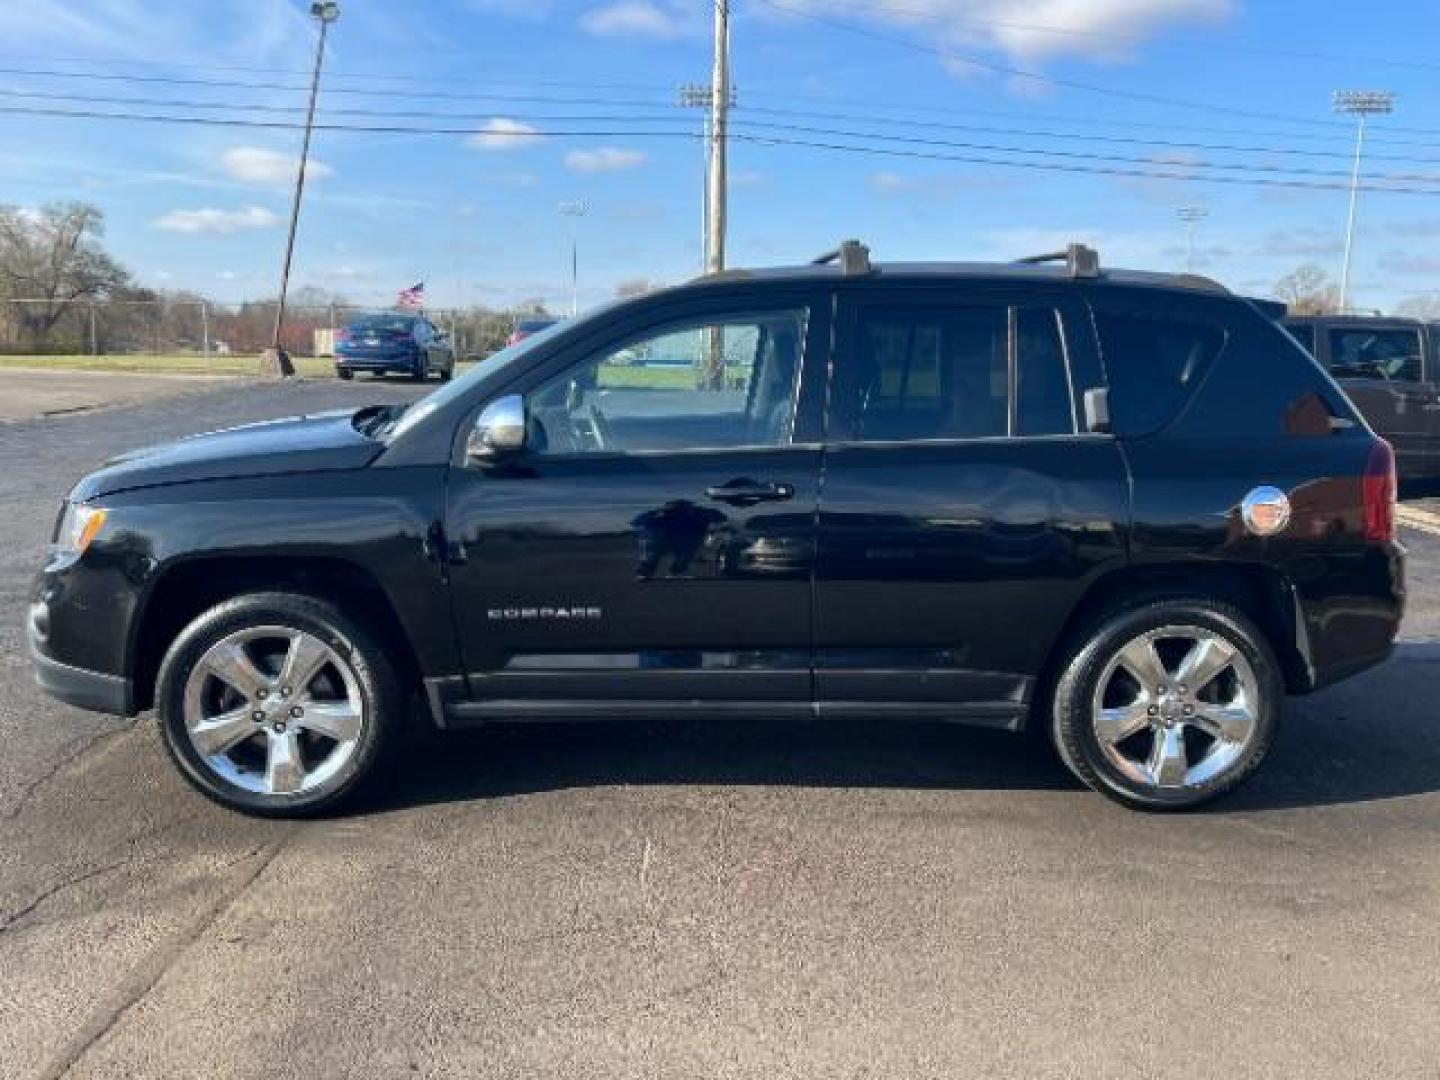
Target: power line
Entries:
(873, 104)
(668, 115)
(1089, 170)
(1157, 171)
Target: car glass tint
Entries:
(1043, 402)
(1304, 333)
(933, 373)
(375, 323)
(1154, 363)
(718, 384)
(1365, 353)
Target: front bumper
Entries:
(93, 690)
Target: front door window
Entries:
(713, 385)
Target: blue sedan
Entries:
(409, 344)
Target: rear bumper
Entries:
(1350, 616)
(378, 364)
(93, 690)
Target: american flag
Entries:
(413, 297)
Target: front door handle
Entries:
(750, 492)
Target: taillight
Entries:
(1380, 493)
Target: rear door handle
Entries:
(750, 492)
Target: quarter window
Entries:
(1154, 363)
(718, 384)
(1362, 353)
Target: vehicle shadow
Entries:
(1369, 739)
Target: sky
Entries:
(970, 129)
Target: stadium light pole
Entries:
(1192, 216)
(574, 209)
(1361, 104)
(276, 360)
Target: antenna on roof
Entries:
(1080, 261)
(852, 255)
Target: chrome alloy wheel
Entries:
(1176, 707)
(273, 710)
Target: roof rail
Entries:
(852, 255)
(1080, 261)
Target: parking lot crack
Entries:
(7, 922)
(58, 766)
(138, 984)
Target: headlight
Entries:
(79, 525)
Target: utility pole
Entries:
(574, 210)
(719, 133)
(1362, 104)
(276, 360)
(1191, 215)
(698, 96)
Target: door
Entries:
(963, 511)
(653, 544)
(1381, 368)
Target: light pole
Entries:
(276, 360)
(1360, 103)
(574, 209)
(1191, 215)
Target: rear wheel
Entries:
(344, 373)
(1168, 705)
(276, 704)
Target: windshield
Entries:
(372, 323)
(491, 365)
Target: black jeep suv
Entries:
(1125, 509)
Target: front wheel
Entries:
(344, 373)
(1168, 705)
(276, 704)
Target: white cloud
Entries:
(1033, 31)
(890, 181)
(214, 220)
(257, 165)
(604, 159)
(502, 133)
(632, 17)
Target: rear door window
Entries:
(1156, 355)
(1358, 352)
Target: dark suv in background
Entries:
(1390, 368)
(1035, 495)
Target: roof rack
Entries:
(852, 255)
(1080, 261)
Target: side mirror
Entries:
(499, 430)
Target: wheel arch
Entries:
(189, 588)
(1262, 592)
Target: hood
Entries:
(297, 444)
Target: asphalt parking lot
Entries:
(723, 899)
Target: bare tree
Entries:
(53, 255)
(1308, 290)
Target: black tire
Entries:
(1074, 698)
(378, 685)
(344, 373)
(447, 372)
